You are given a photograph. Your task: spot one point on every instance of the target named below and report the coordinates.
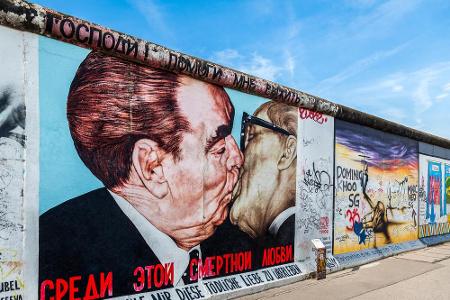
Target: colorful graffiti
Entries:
(314, 186)
(376, 189)
(433, 203)
(447, 185)
(151, 183)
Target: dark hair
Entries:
(113, 103)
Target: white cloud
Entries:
(255, 63)
(397, 88)
(446, 87)
(289, 63)
(226, 57)
(382, 19)
(360, 3)
(415, 98)
(441, 97)
(262, 67)
(153, 15)
(356, 68)
(395, 114)
(445, 93)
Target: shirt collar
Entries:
(279, 220)
(165, 249)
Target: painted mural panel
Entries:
(447, 191)
(17, 63)
(180, 185)
(376, 188)
(433, 195)
(314, 185)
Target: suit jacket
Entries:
(90, 234)
(284, 237)
(286, 232)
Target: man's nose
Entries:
(235, 156)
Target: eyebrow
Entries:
(221, 132)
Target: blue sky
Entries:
(387, 58)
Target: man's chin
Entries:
(248, 230)
(243, 226)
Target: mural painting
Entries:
(192, 187)
(434, 186)
(376, 188)
(447, 190)
(144, 183)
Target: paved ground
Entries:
(421, 274)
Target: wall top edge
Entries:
(26, 16)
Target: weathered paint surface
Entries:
(17, 74)
(124, 173)
(315, 186)
(434, 196)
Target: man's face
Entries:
(259, 179)
(202, 181)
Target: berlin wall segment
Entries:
(206, 192)
(26, 16)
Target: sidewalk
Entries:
(421, 274)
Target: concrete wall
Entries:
(121, 179)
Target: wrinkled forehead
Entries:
(204, 104)
(262, 114)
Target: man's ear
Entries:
(146, 162)
(289, 153)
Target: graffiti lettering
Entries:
(244, 82)
(349, 174)
(332, 263)
(342, 238)
(96, 288)
(181, 63)
(279, 93)
(412, 192)
(346, 186)
(313, 115)
(435, 190)
(353, 216)
(307, 142)
(63, 28)
(324, 225)
(154, 275)
(317, 180)
(277, 255)
(354, 200)
(91, 36)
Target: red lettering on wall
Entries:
(70, 288)
(277, 255)
(353, 216)
(153, 276)
(313, 115)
